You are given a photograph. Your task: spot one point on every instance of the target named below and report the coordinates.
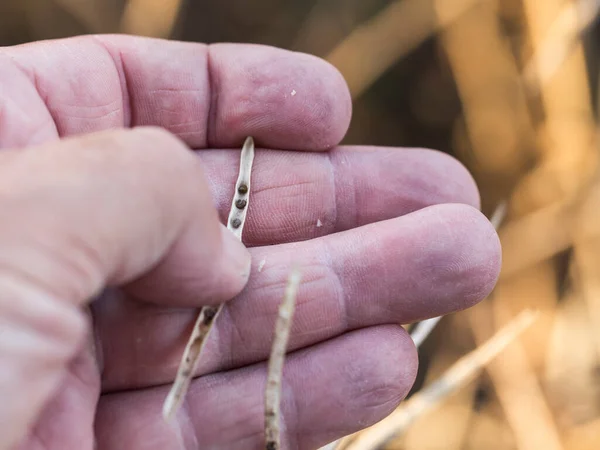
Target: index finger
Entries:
(207, 95)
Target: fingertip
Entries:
(407, 358)
(204, 263)
(394, 363)
(283, 99)
(459, 180)
(486, 242)
(214, 277)
(477, 257)
(235, 262)
(373, 371)
(332, 121)
(199, 270)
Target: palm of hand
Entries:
(382, 236)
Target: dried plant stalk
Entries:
(562, 36)
(273, 390)
(458, 375)
(568, 131)
(452, 417)
(208, 314)
(515, 382)
(153, 18)
(572, 350)
(96, 15)
(395, 31)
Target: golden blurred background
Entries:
(510, 87)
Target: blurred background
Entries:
(509, 87)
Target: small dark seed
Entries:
(209, 315)
(186, 373)
(235, 223)
(240, 204)
(271, 446)
(243, 189)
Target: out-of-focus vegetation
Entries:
(507, 86)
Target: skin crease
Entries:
(112, 238)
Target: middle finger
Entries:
(300, 195)
(428, 263)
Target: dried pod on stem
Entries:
(208, 314)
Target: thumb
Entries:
(79, 214)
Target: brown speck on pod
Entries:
(240, 204)
(271, 446)
(235, 223)
(209, 315)
(243, 189)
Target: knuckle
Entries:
(169, 154)
(153, 152)
(159, 137)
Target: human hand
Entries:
(381, 236)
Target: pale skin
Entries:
(112, 238)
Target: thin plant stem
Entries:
(208, 314)
(276, 360)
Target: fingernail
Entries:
(236, 254)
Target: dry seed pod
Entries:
(276, 360)
(208, 314)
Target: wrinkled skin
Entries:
(112, 238)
